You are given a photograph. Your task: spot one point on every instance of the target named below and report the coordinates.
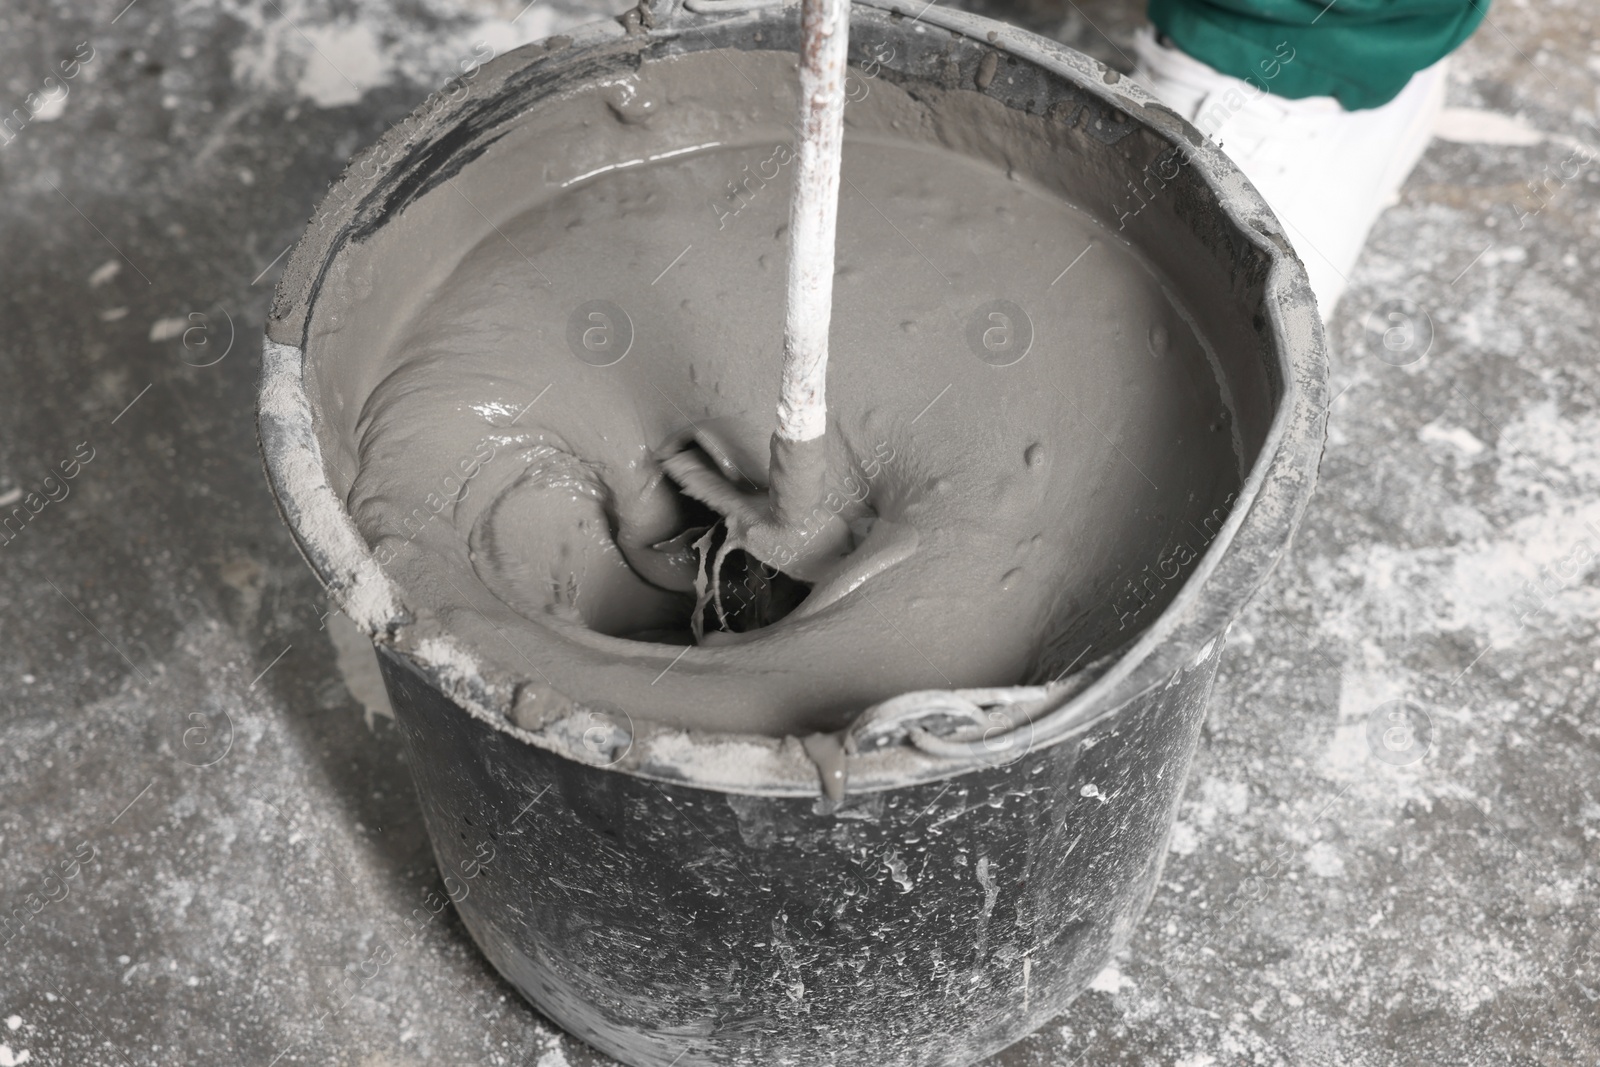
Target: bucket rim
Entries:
(1183, 636)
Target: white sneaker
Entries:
(1326, 172)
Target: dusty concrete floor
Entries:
(230, 832)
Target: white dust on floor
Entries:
(301, 48)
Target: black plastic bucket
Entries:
(669, 910)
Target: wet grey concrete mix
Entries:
(985, 530)
(204, 816)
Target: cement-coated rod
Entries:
(813, 219)
(772, 524)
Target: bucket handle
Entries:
(730, 7)
(949, 722)
(667, 13)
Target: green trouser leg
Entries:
(1361, 52)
